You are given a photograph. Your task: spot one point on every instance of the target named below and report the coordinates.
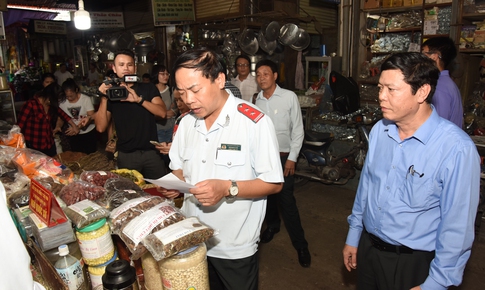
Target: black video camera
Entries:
(117, 92)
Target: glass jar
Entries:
(95, 243)
(96, 272)
(186, 269)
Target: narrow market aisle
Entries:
(324, 210)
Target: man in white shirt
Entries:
(228, 149)
(62, 74)
(284, 110)
(94, 77)
(244, 81)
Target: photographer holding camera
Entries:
(133, 106)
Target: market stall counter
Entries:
(105, 212)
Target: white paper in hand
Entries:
(172, 182)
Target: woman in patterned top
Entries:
(35, 121)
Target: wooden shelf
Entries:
(434, 35)
(382, 10)
(472, 50)
(474, 16)
(431, 5)
(396, 30)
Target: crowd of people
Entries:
(237, 142)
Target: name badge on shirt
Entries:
(236, 147)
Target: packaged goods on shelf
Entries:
(177, 238)
(81, 190)
(97, 177)
(49, 238)
(132, 230)
(95, 243)
(85, 212)
(14, 138)
(131, 174)
(36, 164)
(187, 269)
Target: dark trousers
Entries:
(86, 143)
(52, 151)
(240, 274)
(286, 202)
(380, 270)
(148, 162)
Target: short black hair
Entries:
(206, 61)
(127, 52)
(444, 45)
(70, 84)
(417, 69)
(48, 75)
(158, 69)
(266, 62)
(242, 56)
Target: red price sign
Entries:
(44, 205)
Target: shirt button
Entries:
(206, 139)
(203, 161)
(229, 163)
(393, 167)
(387, 187)
(379, 208)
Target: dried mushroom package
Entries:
(177, 237)
(85, 212)
(121, 183)
(115, 199)
(158, 217)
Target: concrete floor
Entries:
(323, 211)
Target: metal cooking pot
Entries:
(271, 31)
(303, 40)
(265, 45)
(121, 41)
(288, 34)
(248, 42)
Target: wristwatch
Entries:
(233, 190)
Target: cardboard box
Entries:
(392, 3)
(369, 4)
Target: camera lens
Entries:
(117, 93)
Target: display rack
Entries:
(7, 107)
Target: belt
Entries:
(283, 154)
(386, 247)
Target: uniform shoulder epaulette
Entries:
(252, 113)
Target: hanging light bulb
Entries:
(82, 21)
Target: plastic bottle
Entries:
(70, 270)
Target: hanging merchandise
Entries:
(299, 74)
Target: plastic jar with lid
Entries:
(96, 272)
(186, 269)
(95, 243)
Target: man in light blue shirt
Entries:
(413, 216)
(283, 108)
